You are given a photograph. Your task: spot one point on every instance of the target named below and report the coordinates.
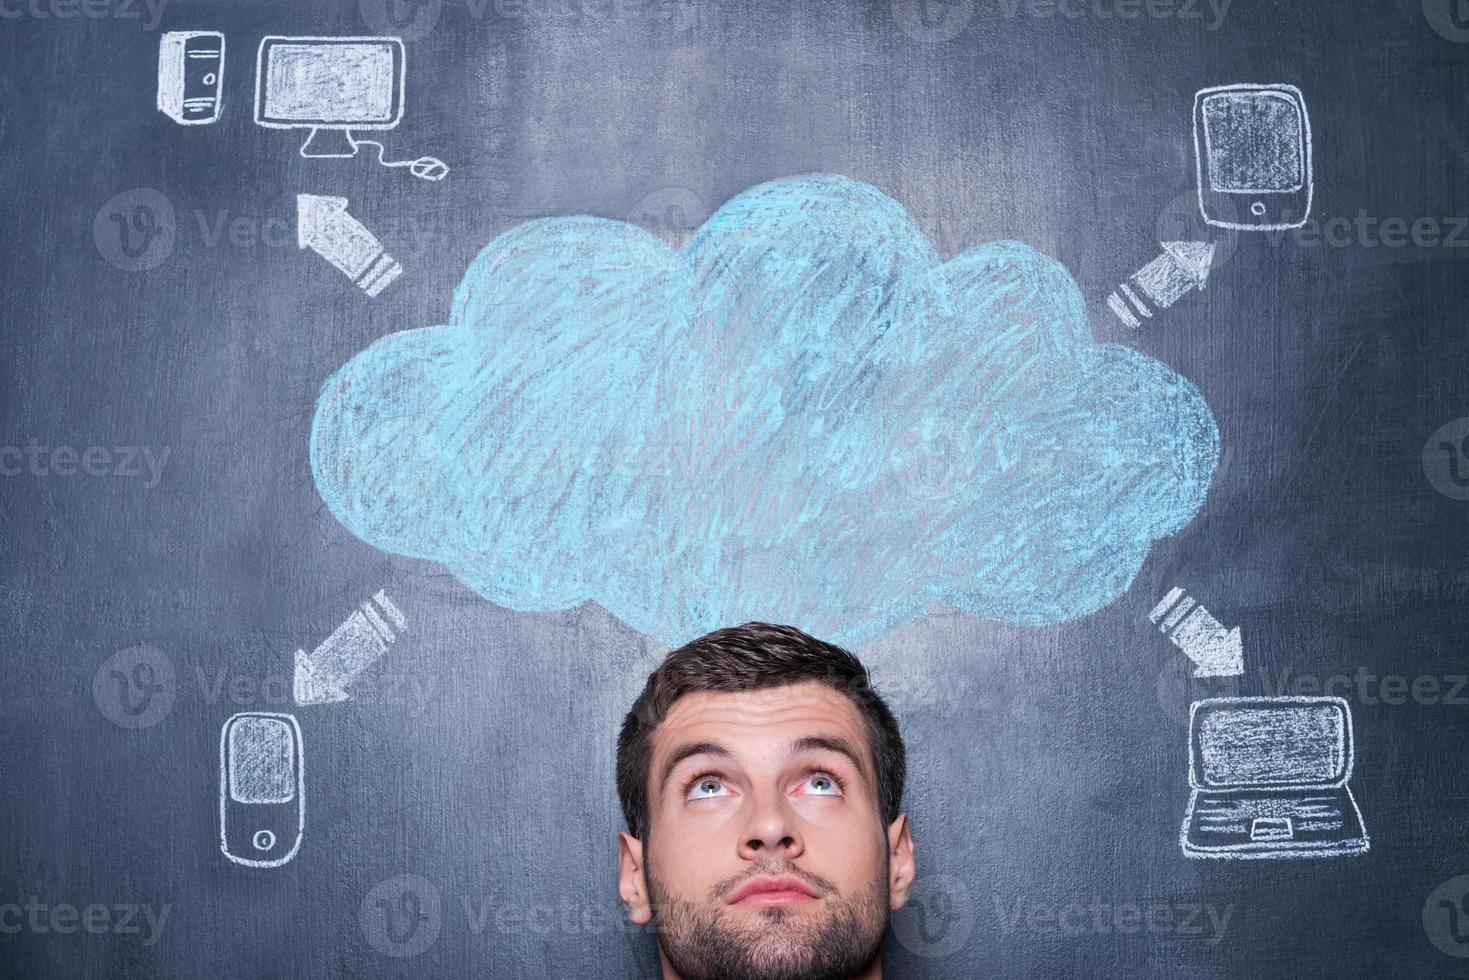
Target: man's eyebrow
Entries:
(831, 743)
(685, 751)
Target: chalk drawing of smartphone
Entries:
(262, 806)
(1252, 144)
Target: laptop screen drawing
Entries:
(1270, 744)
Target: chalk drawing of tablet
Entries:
(262, 807)
(1252, 145)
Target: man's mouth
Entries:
(765, 890)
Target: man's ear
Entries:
(632, 884)
(901, 865)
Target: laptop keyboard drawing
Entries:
(1269, 779)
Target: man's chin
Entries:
(829, 938)
(788, 955)
(782, 948)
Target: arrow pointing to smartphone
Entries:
(324, 226)
(1181, 267)
(362, 640)
(1215, 651)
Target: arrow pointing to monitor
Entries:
(324, 226)
(1215, 651)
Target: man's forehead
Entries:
(776, 712)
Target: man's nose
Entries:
(771, 830)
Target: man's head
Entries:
(762, 778)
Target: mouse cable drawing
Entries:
(425, 168)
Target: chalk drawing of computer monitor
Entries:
(329, 85)
(1269, 778)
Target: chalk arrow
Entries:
(313, 687)
(1182, 266)
(1215, 651)
(324, 226)
(364, 638)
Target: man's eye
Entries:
(707, 787)
(821, 784)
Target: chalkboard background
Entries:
(1049, 766)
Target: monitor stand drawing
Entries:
(329, 143)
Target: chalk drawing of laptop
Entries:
(1269, 778)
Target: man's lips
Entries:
(772, 891)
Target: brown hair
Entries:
(748, 658)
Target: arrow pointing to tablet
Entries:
(324, 226)
(1215, 651)
(1181, 267)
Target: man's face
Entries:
(767, 857)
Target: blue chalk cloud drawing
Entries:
(804, 416)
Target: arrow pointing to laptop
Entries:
(324, 226)
(1215, 651)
